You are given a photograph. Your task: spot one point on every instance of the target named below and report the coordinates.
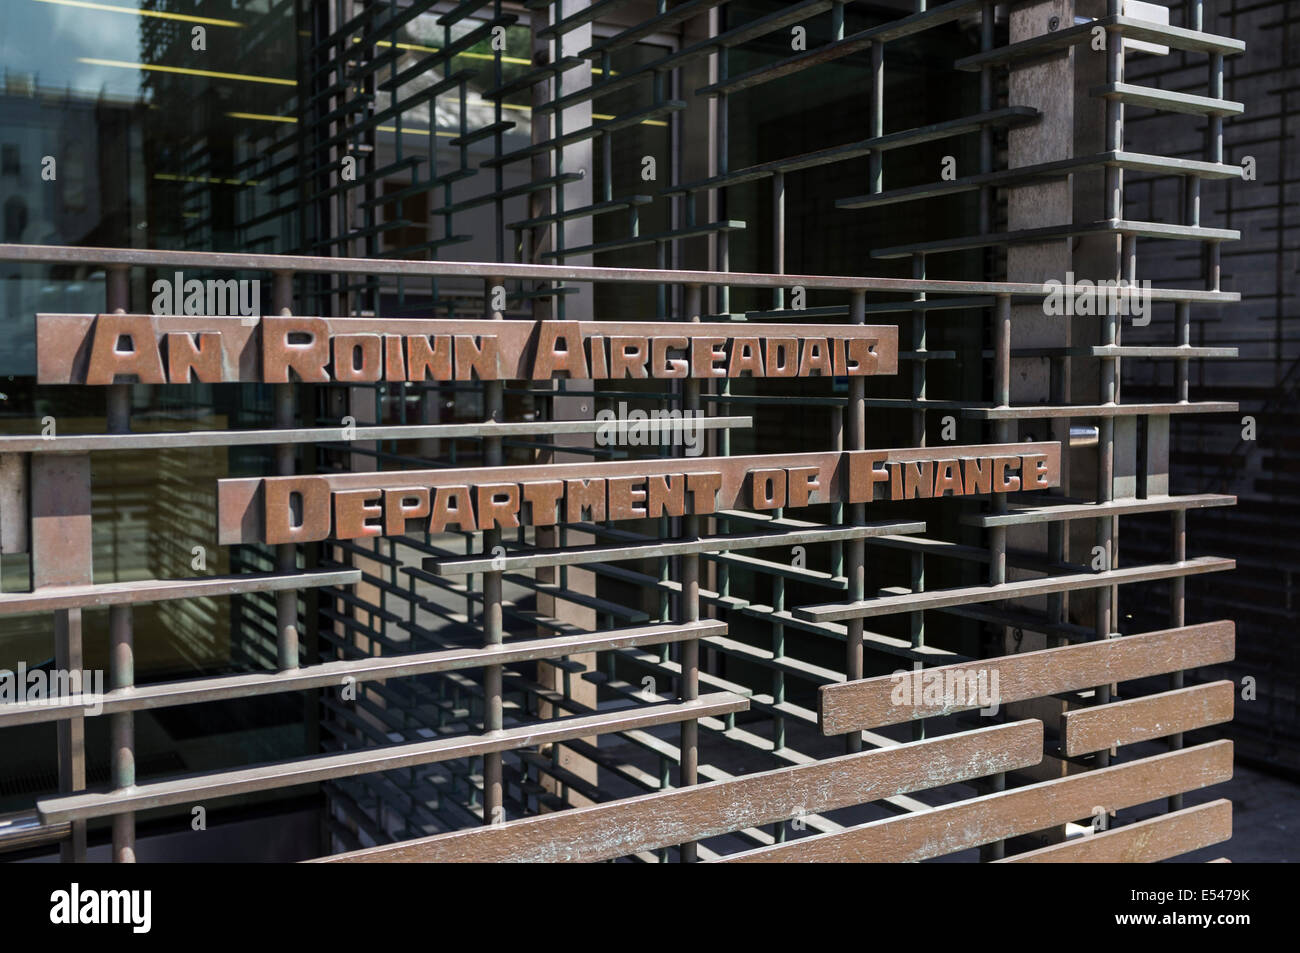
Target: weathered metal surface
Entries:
(14, 493)
(1145, 842)
(1141, 719)
(1035, 807)
(873, 702)
(194, 788)
(604, 831)
(61, 544)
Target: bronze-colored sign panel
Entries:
(157, 349)
(354, 505)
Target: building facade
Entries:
(555, 430)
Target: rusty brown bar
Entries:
(870, 703)
(191, 788)
(1005, 814)
(604, 831)
(63, 254)
(1141, 719)
(330, 674)
(171, 440)
(1145, 842)
(51, 598)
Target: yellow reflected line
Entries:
(262, 116)
(517, 60)
(210, 21)
(265, 117)
(528, 109)
(186, 71)
(418, 132)
(170, 177)
(643, 122)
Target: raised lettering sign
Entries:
(355, 505)
(161, 349)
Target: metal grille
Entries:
(715, 685)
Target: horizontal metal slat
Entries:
(49, 598)
(1141, 719)
(939, 598)
(870, 702)
(646, 822)
(1071, 511)
(578, 555)
(335, 674)
(283, 774)
(1035, 807)
(1146, 842)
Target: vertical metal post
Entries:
(855, 438)
(1104, 622)
(60, 542)
(1105, 608)
(876, 114)
(286, 554)
(722, 303)
(1183, 338)
(987, 24)
(71, 732)
(1004, 429)
(121, 660)
(778, 237)
(916, 620)
(1177, 619)
(690, 603)
(493, 630)
(1183, 332)
(1004, 432)
(1216, 155)
(1002, 344)
(1114, 115)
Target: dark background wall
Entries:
(1209, 453)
